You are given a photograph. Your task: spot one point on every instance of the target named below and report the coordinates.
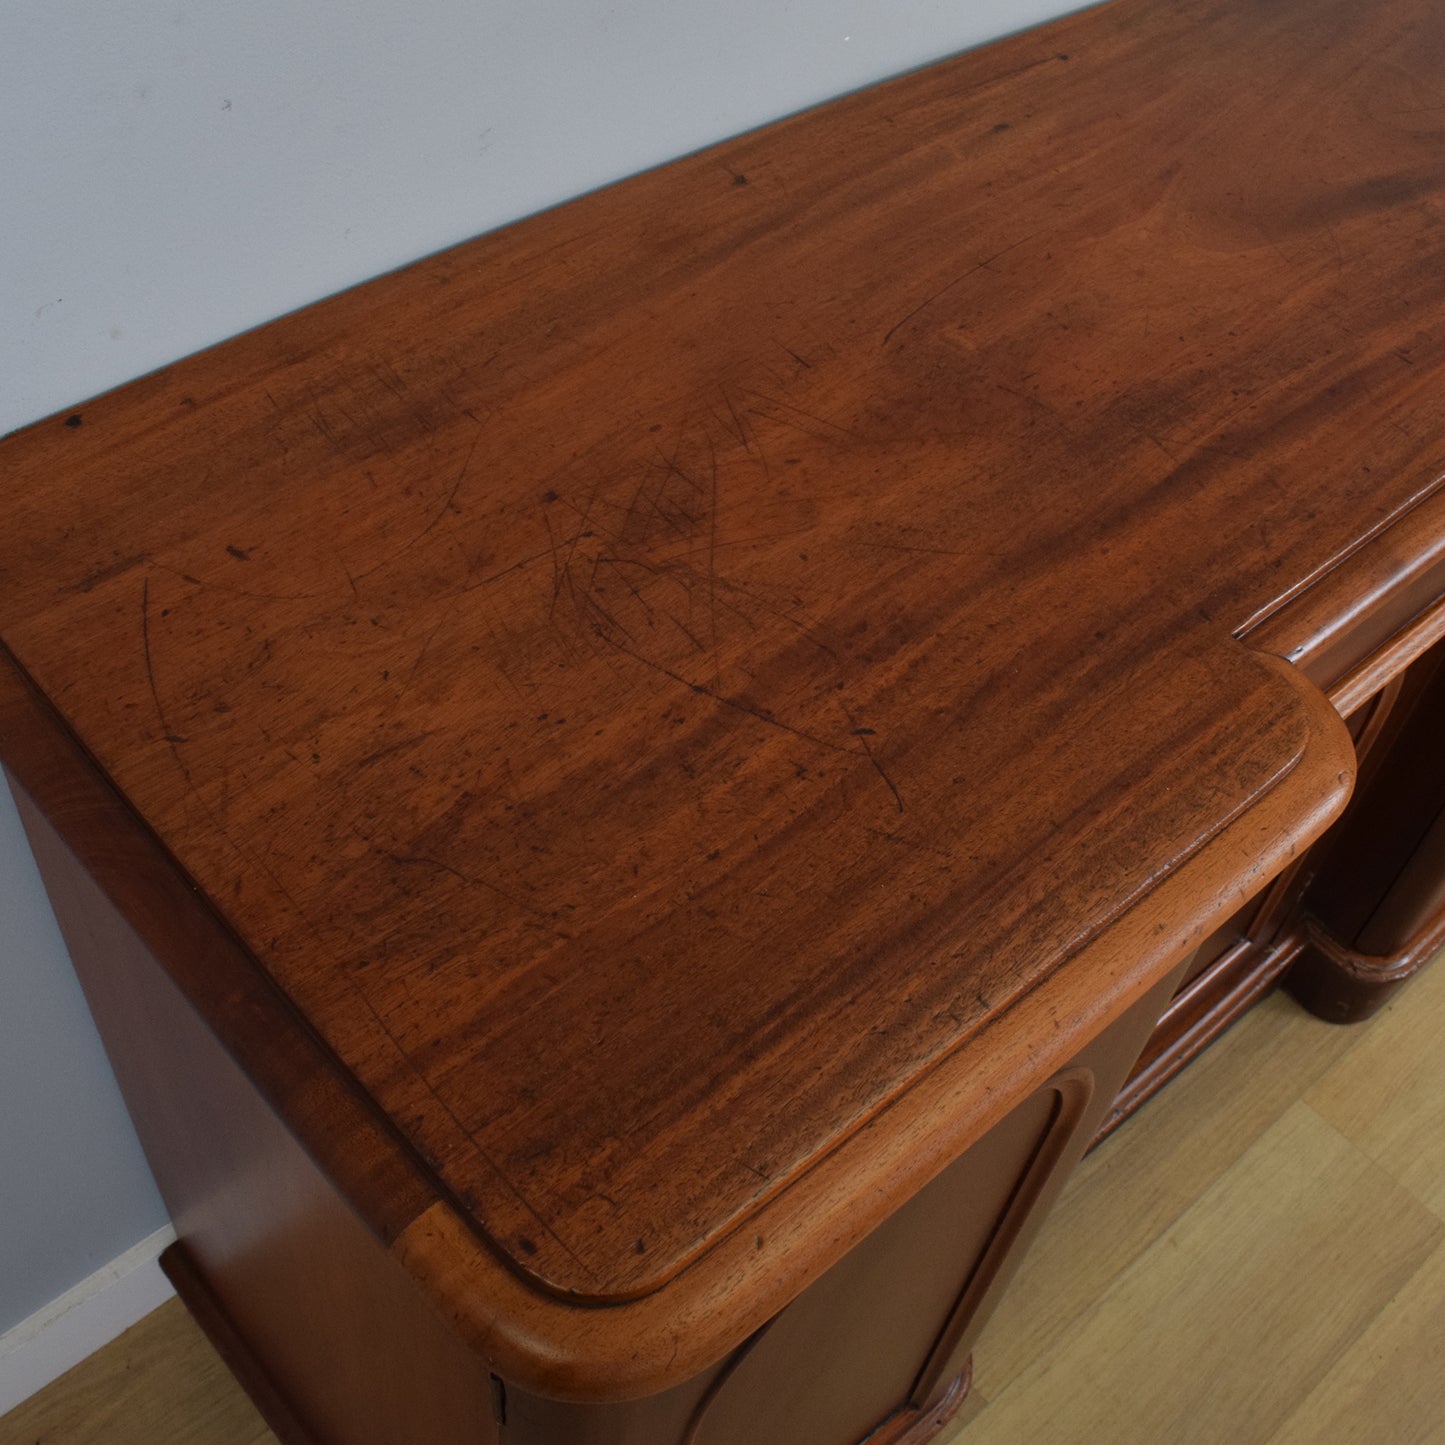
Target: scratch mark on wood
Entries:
(411, 676)
(206, 583)
(556, 565)
(388, 752)
(318, 420)
(497, 1173)
(425, 859)
(392, 383)
(517, 566)
(957, 280)
(740, 429)
(586, 601)
(441, 512)
(712, 571)
(92, 580)
(811, 416)
(738, 704)
(863, 734)
(737, 428)
(612, 564)
(911, 843)
(451, 495)
(582, 529)
(673, 469)
(687, 633)
(145, 637)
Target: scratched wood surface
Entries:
(650, 683)
(1104, 1274)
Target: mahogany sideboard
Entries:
(630, 797)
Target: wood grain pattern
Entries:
(1375, 907)
(1128, 1193)
(767, 635)
(332, 1340)
(727, 1294)
(1222, 1291)
(1400, 1056)
(157, 1384)
(1387, 1384)
(1363, 1364)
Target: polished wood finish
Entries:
(1277, 936)
(1376, 899)
(89, 818)
(220, 1330)
(1264, 1273)
(912, 1426)
(1260, 1290)
(333, 1339)
(648, 735)
(335, 1344)
(1102, 1253)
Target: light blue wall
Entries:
(174, 171)
(74, 1192)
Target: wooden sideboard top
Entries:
(662, 687)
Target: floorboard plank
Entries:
(159, 1383)
(1131, 1189)
(1388, 1093)
(1390, 1385)
(1237, 1312)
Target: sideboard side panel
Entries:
(346, 1341)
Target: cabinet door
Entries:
(879, 1348)
(1375, 906)
(850, 1352)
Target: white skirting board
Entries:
(42, 1348)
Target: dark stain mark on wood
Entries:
(92, 580)
(863, 734)
(145, 636)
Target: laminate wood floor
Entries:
(1258, 1258)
